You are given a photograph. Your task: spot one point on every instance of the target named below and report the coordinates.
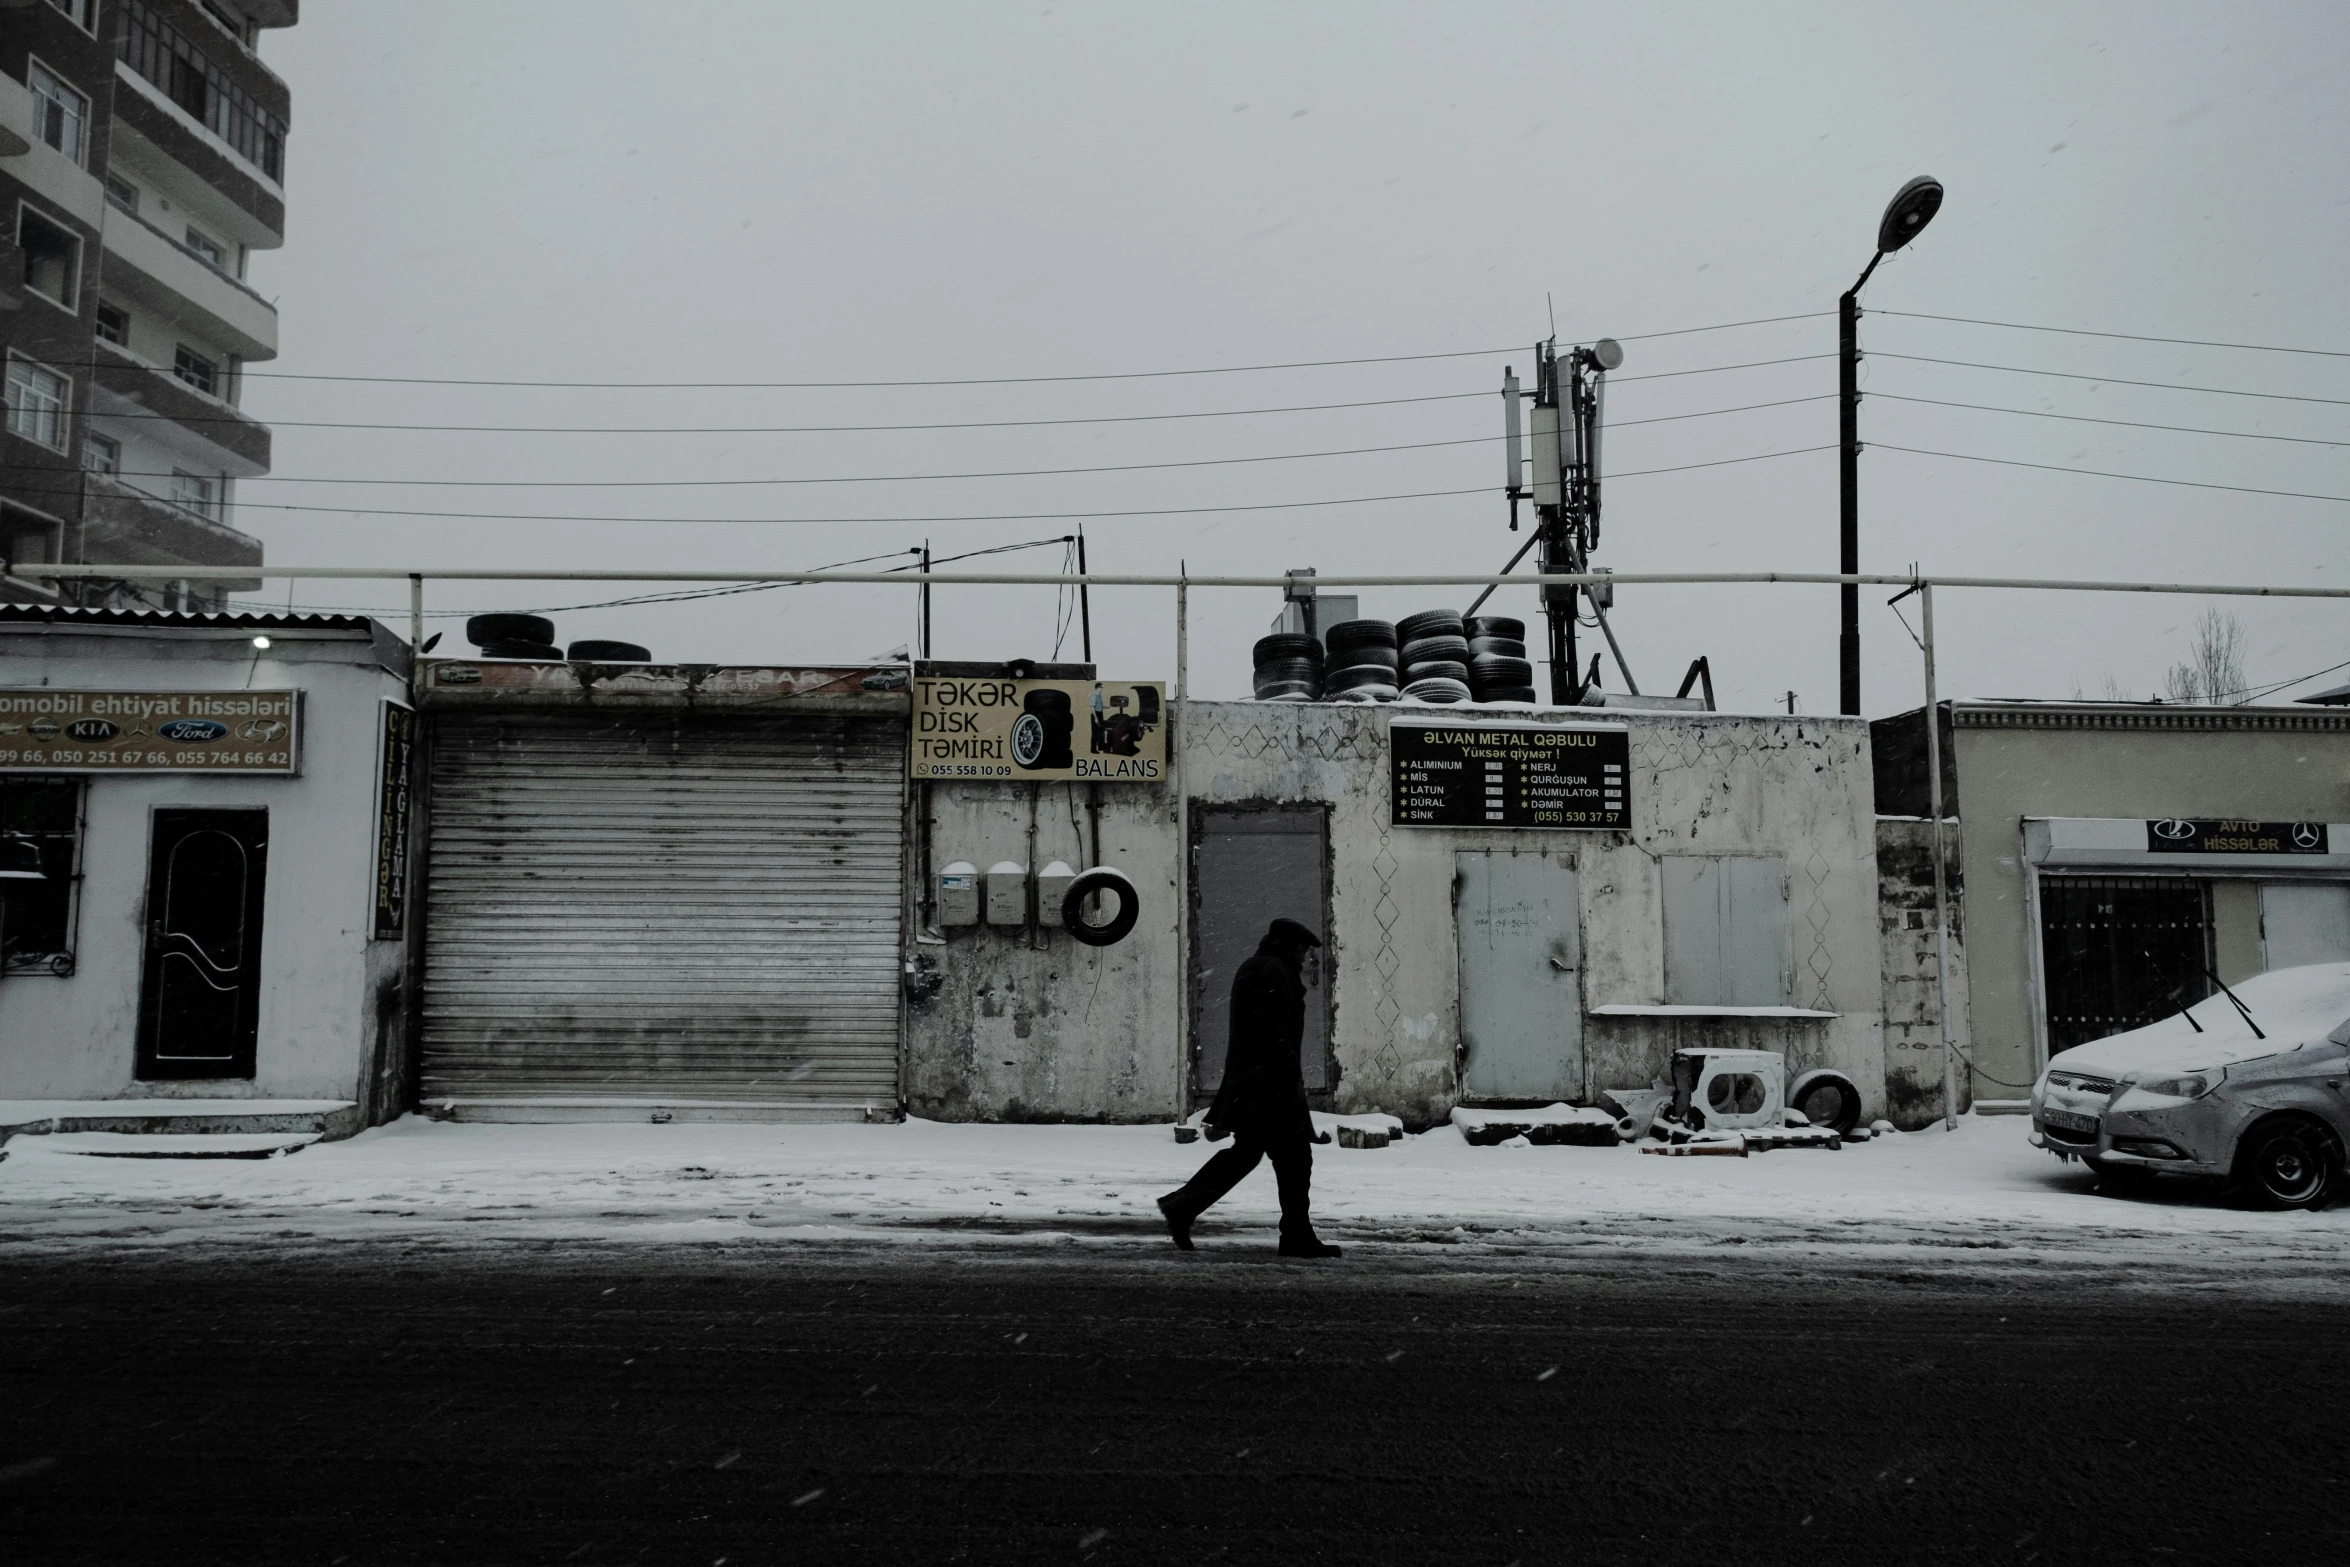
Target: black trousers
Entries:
(1293, 1169)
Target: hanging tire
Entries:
(1494, 626)
(1837, 1098)
(1437, 691)
(1101, 879)
(1427, 623)
(536, 652)
(482, 630)
(2289, 1162)
(1438, 669)
(1502, 647)
(1286, 645)
(595, 650)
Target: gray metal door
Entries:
(1725, 930)
(1521, 957)
(630, 911)
(2304, 922)
(1251, 866)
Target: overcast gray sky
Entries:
(738, 190)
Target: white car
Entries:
(2250, 1086)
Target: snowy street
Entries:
(1978, 1201)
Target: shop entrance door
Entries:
(200, 996)
(2121, 951)
(1252, 865)
(2304, 922)
(1521, 956)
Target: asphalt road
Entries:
(754, 1405)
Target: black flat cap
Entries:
(1291, 933)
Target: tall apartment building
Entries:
(142, 150)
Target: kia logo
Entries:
(2175, 830)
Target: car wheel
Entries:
(2288, 1164)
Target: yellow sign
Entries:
(54, 731)
(1110, 730)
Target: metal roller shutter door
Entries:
(628, 912)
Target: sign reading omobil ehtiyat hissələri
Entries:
(65, 731)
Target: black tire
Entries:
(482, 630)
(1427, 623)
(1354, 655)
(1494, 626)
(536, 652)
(1269, 670)
(1437, 690)
(2289, 1162)
(1437, 669)
(1503, 647)
(1508, 694)
(1436, 650)
(1365, 694)
(1361, 633)
(1287, 645)
(1358, 675)
(595, 650)
(1491, 669)
(1101, 879)
(1842, 1115)
(1276, 690)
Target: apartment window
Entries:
(123, 194)
(196, 494)
(114, 325)
(81, 11)
(198, 371)
(1725, 930)
(40, 827)
(61, 116)
(52, 258)
(27, 537)
(101, 454)
(37, 398)
(208, 248)
(167, 57)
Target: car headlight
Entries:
(2189, 1085)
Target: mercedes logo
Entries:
(2308, 835)
(2174, 829)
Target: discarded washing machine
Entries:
(1728, 1090)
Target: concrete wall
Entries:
(1913, 1015)
(2279, 764)
(1798, 788)
(1013, 1025)
(330, 1019)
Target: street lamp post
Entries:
(1912, 208)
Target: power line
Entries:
(2127, 337)
(2131, 424)
(2114, 380)
(2256, 694)
(1013, 473)
(2100, 473)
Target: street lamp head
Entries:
(1607, 353)
(1906, 215)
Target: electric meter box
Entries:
(1052, 886)
(1007, 893)
(958, 894)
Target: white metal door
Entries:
(655, 911)
(1521, 954)
(2304, 922)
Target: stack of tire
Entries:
(1499, 670)
(1435, 656)
(1289, 667)
(533, 637)
(1363, 662)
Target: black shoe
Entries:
(1178, 1227)
(1311, 1248)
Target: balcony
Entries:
(150, 128)
(149, 265)
(126, 527)
(127, 386)
(56, 178)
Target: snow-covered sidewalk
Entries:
(1979, 1199)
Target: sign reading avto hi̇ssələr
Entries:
(1111, 730)
(59, 731)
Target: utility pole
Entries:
(926, 598)
(1084, 599)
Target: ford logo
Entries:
(92, 729)
(2174, 830)
(193, 729)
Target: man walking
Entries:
(1263, 1098)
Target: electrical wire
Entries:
(2114, 380)
(2254, 694)
(2129, 424)
(2126, 337)
(2101, 473)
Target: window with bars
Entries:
(40, 829)
(37, 400)
(167, 57)
(2119, 952)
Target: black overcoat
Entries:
(1264, 1089)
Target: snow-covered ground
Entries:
(1977, 1200)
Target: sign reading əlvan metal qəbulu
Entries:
(1107, 730)
(60, 731)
